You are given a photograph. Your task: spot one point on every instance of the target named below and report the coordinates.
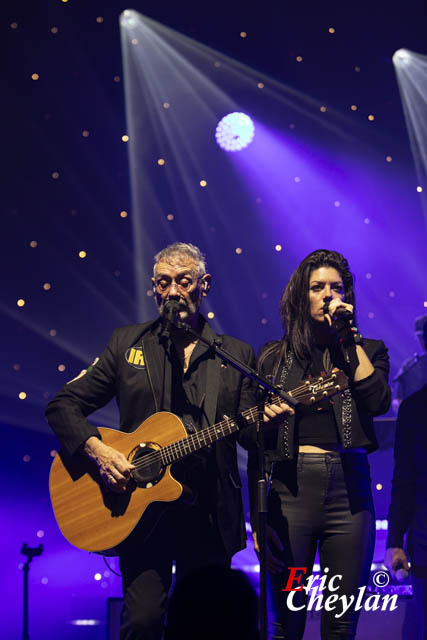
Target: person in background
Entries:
(412, 375)
(408, 506)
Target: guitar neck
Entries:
(310, 392)
(178, 450)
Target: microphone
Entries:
(169, 316)
(401, 574)
(341, 313)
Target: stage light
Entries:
(235, 131)
(401, 56)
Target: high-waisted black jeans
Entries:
(324, 501)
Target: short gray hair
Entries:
(169, 253)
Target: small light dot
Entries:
(107, 574)
(85, 133)
(55, 175)
(97, 576)
(117, 273)
(134, 41)
(166, 105)
(368, 276)
(367, 221)
(64, 1)
(292, 126)
(16, 367)
(82, 254)
(52, 332)
(14, 25)
(299, 58)
(264, 295)
(20, 302)
(203, 183)
(243, 34)
(211, 315)
(371, 315)
(47, 286)
(379, 487)
(264, 320)
(61, 367)
(125, 138)
(353, 107)
(40, 533)
(123, 214)
(357, 69)
(392, 294)
(337, 203)
(371, 117)
(425, 303)
(44, 580)
(35, 76)
(217, 64)
(26, 458)
(54, 30)
(149, 293)
(53, 453)
(100, 19)
(388, 159)
(297, 179)
(33, 244)
(161, 161)
(170, 216)
(238, 250)
(22, 395)
(331, 30)
(322, 109)
(278, 247)
(260, 85)
(116, 79)
(419, 189)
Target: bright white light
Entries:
(128, 18)
(401, 56)
(235, 131)
(84, 622)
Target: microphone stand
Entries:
(266, 387)
(30, 553)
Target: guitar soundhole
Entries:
(149, 469)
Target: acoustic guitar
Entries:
(94, 518)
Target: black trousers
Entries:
(419, 590)
(322, 501)
(184, 534)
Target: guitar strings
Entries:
(180, 445)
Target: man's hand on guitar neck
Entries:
(274, 414)
(113, 467)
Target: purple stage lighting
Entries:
(235, 131)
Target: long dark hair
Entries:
(295, 305)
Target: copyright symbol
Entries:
(381, 579)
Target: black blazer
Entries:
(132, 369)
(354, 408)
(408, 506)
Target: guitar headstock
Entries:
(317, 389)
